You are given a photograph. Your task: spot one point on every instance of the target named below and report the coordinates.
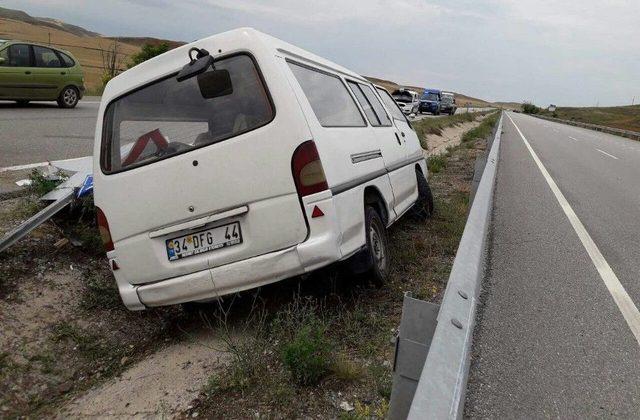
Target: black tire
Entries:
(423, 208)
(22, 102)
(377, 251)
(69, 97)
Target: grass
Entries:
(436, 163)
(90, 347)
(41, 185)
(622, 117)
(483, 130)
(100, 292)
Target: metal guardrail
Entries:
(440, 392)
(444, 342)
(36, 220)
(609, 130)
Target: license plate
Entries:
(204, 241)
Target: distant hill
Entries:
(21, 16)
(140, 41)
(623, 117)
(508, 105)
(461, 100)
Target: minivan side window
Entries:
(19, 56)
(371, 104)
(328, 96)
(364, 103)
(45, 57)
(385, 121)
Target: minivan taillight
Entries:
(307, 169)
(103, 228)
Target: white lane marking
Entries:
(620, 296)
(21, 167)
(610, 155)
(573, 138)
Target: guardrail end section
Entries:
(418, 323)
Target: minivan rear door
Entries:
(186, 162)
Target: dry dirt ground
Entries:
(450, 137)
(68, 347)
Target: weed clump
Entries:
(41, 185)
(307, 355)
(436, 163)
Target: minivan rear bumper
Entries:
(322, 247)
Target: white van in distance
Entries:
(239, 160)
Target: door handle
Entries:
(402, 133)
(27, 72)
(398, 138)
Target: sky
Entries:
(578, 53)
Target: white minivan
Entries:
(239, 160)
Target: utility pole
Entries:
(49, 38)
(633, 101)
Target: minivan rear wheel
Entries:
(69, 97)
(377, 251)
(423, 208)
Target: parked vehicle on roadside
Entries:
(430, 101)
(407, 100)
(216, 173)
(448, 103)
(35, 72)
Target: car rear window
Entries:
(328, 97)
(167, 117)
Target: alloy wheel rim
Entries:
(69, 96)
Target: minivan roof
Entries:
(236, 40)
(431, 91)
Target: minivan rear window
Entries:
(167, 117)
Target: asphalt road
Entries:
(551, 341)
(41, 131)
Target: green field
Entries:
(623, 117)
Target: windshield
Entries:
(430, 96)
(169, 117)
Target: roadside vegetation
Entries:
(622, 117)
(529, 108)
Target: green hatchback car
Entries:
(34, 72)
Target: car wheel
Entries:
(377, 251)
(423, 208)
(69, 97)
(22, 102)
